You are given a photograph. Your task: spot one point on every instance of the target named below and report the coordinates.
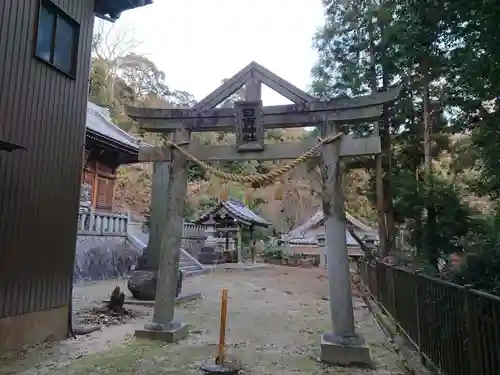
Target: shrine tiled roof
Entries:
(317, 219)
(239, 208)
(306, 233)
(99, 121)
(238, 211)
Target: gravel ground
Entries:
(276, 316)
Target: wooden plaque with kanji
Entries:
(249, 126)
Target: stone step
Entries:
(186, 261)
(194, 273)
(187, 268)
(190, 268)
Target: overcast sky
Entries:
(197, 43)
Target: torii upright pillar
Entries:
(163, 325)
(342, 345)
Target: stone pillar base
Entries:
(341, 351)
(172, 333)
(229, 367)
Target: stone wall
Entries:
(103, 257)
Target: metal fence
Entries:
(456, 329)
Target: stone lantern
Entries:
(208, 253)
(321, 238)
(211, 241)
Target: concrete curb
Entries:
(243, 266)
(182, 298)
(409, 354)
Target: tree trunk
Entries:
(432, 251)
(427, 123)
(387, 169)
(379, 171)
(386, 142)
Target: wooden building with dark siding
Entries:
(45, 52)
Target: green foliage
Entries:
(195, 172)
(206, 203)
(99, 93)
(190, 212)
(256, 233)
(487, 140)
(452, 216)
(482, 248)
(450, 50)
(273, 253)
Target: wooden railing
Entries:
(193, 231)
(102, 224)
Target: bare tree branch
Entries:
(110, 42)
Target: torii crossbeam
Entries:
(249, 119)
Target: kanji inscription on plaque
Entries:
(249, 127)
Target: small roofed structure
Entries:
(304, 238)
(106, 148)
(101, 130)
(229, 217)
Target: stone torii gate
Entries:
(249, 119)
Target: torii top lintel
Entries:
(306, 111)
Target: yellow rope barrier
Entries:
(257, 180)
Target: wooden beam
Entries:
(139, 113)
(253, 70)
(149, 153)
(177, 115)
(275, 117)
(383, 97)
(253, 89)
(350, 146)
(225, 90)
(281, 86)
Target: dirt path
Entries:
(276, 316)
